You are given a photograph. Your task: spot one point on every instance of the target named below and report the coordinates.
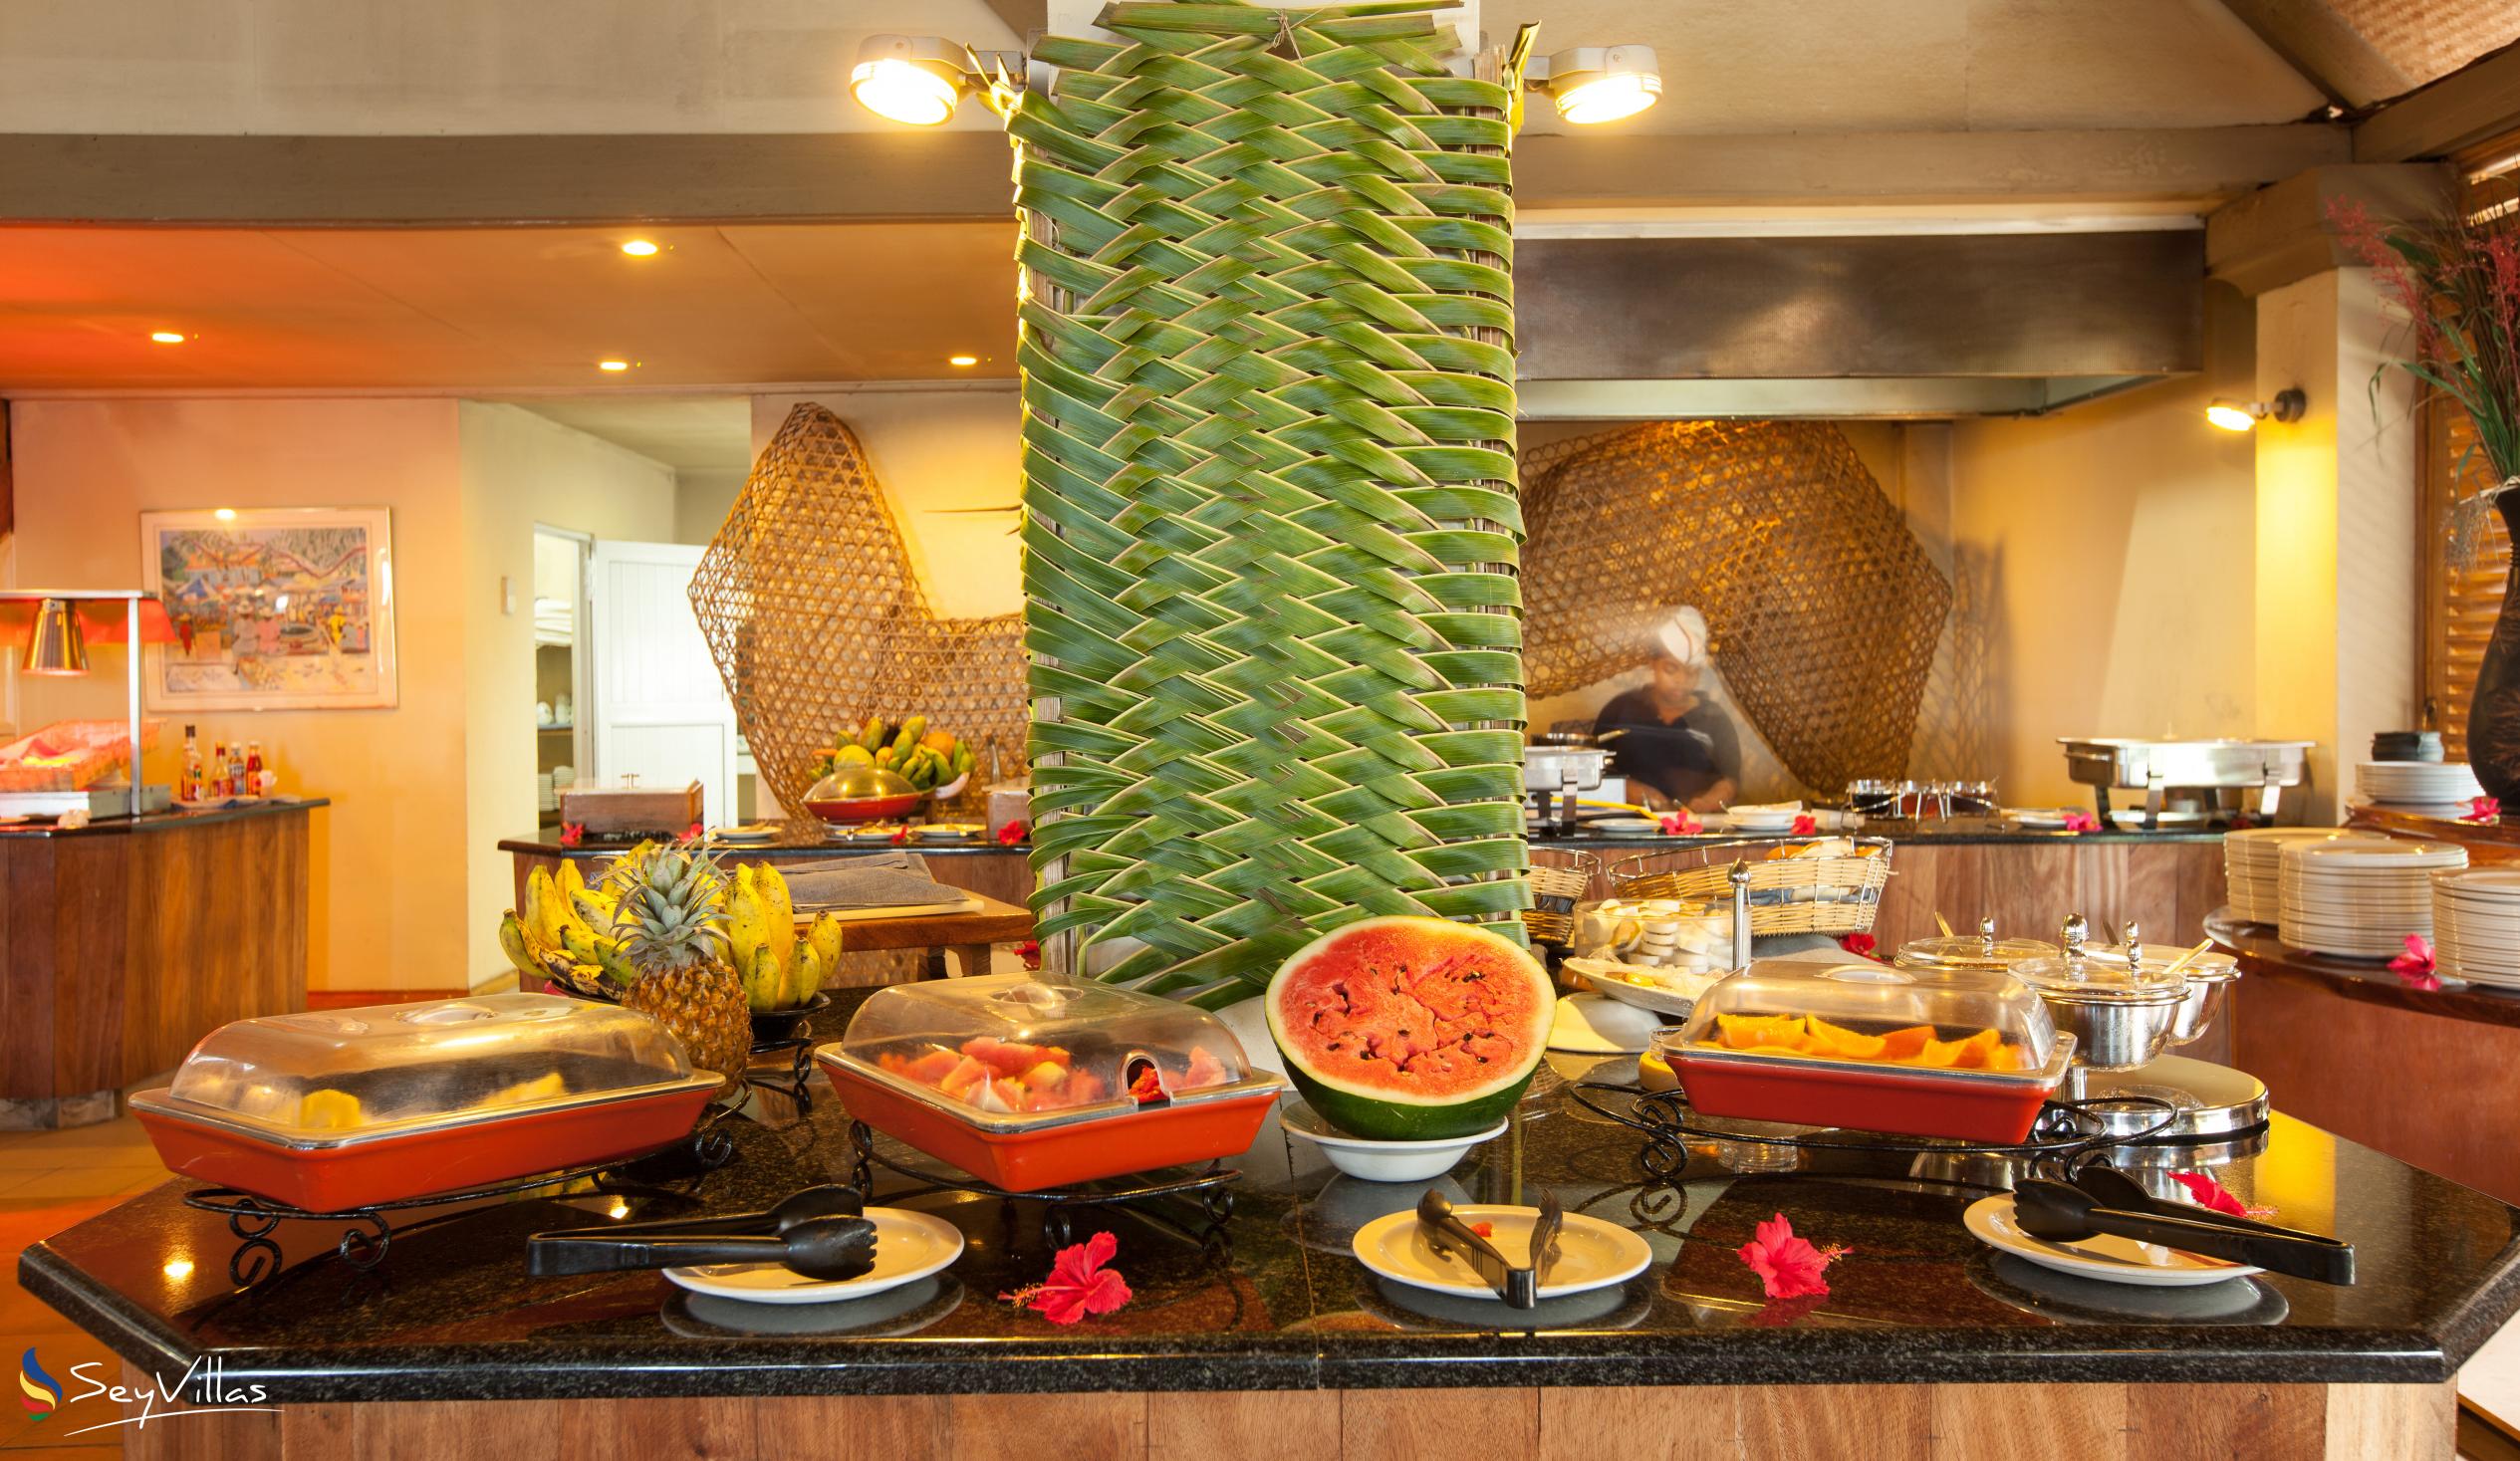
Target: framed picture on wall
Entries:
(274, 609)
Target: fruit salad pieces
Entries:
(1004, 1076)
(1914, 1045)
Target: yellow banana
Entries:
(778, 910)
(571, 885)
(824, 938)
(761, 985)
(593, 948)
(747, 920)
(805, 976)
(512, 943)
(542, 915)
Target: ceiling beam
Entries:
(2284, 233)
(900, 173)
(2328, 54)
(2474, 104)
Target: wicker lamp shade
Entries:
(1271, 529)
(814, 613)
(1824, 608)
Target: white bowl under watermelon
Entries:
(1379, 1162)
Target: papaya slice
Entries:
(1974, 1050)
(1839, 1040)
(1746, 1032)
(1898, 1045)
(2004, 1057)
(1937, 1054)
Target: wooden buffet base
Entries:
(120, 945)
(1948, 1422)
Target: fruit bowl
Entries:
(1381, 1162)
(787, 1024)
(853, 794)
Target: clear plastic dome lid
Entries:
(411, 1065)
(2207, 968)
(1960, 1018)
(1971, 952)
(1008, 1047)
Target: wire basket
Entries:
(1810, 893)
(1557, 885)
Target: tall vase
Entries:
(2493, 717)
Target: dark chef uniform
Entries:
(1681, 758)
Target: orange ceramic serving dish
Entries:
(1029, 1152)
(1996, 1109)
(337, 1171)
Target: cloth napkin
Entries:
(891, 879)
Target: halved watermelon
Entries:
(1410, 1029)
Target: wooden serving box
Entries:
(620, 812)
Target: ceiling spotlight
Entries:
(612, 365)
(167, 337)
(2243, 415)
(1595, 84)
(914, 79)
(962, 359)
(224, 513)
(639, 248)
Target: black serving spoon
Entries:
(2111, 1188)
(2063, 1214)
(826, 1200)
(818, 1248)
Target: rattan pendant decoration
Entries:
(1824, 608)
(1271, 526)
(814, 613)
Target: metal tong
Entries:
(1517, 1284)
(818, 1231)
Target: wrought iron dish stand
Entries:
(1210, 1190)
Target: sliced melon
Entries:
(1408, 1029)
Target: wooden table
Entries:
(966, 936)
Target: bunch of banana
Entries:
(780, 970)
(553, 937)
(926, 759)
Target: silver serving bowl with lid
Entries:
(2209, 979)
(2121, 1014)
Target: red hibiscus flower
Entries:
(900, 836)
(692, 834)
(1861, 944)
(2415, 967)
(572, 834)
(1078, 1283)
(1030, 952)
(1682, 823)
(1806, 826)
(1788, 1267)
(2484, 811)
(2080, 821)
(2207, 1193)
(1011, 834)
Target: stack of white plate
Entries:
(2250, 861)
(2477, 924)
(2417, 783)
(2359, 898)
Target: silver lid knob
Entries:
(2076, 932)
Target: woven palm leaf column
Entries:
(1271, 528)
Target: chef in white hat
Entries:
(1674, 744)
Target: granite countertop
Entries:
(169, 821)
(808, 839)
(1275, 1301)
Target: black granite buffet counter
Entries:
(1272, 1300)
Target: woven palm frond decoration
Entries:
(1271, 526)
(1824, 608)
(814, 613)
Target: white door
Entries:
(661, 712)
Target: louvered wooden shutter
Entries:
(2461, 604)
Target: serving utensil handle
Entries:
(2289, 1256)
(553, 1256)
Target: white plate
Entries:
(2040, 817)
(749, 833)
(1588, 1024)
(1379, 1162)
(2111, 1260)
(1592, 1254)
(2501, 884)
(1598, 976)
(909, 1246)
(2134, 821)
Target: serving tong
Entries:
(2059, 1213)
(1518, 1285)
(819, 1232)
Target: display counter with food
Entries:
(1316, 1312)
(129, 938)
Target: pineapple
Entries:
(668, 916)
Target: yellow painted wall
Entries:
(519, 469)
(389, 854)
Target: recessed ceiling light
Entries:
(612, 365)
(167, 337)
(224, 513)
(962, 359)
(639, 248)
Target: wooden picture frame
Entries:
(275, 608)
